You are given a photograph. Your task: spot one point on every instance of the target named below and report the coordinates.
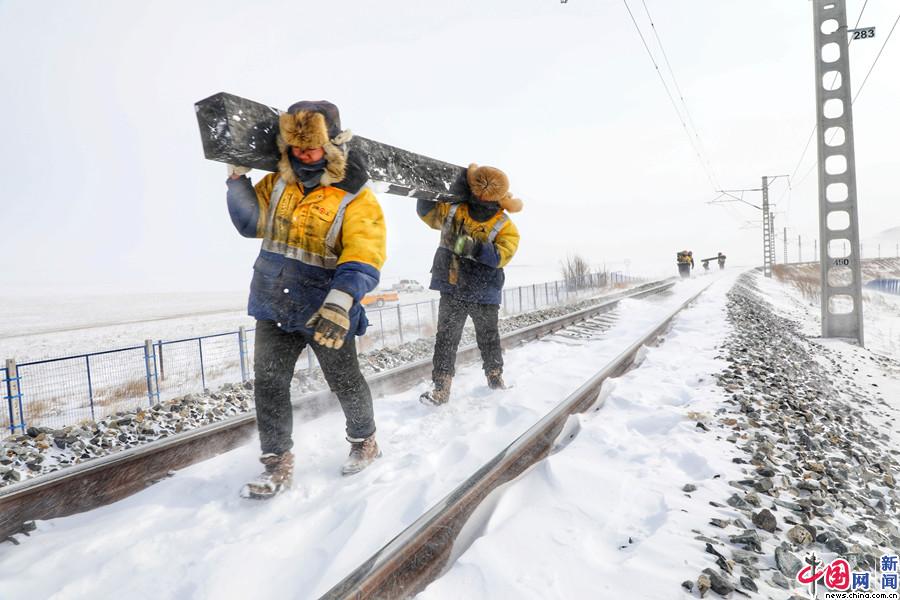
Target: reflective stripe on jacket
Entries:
(479, 279)
(328, 238)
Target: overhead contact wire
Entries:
(669, 94)
(687, 111)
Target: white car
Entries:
(408, 285)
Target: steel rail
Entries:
(418, 555)
(110, 478)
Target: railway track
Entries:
(110, 478)
(418, 555)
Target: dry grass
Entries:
(806, 278)
(135, 388)
(34, 409)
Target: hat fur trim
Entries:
(488, 184)
(306, 130)
(511, 204)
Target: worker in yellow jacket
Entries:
(477, 240)
(323, 248)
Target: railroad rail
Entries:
(110, 478)
(418, 555)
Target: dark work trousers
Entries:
(276, 354)
(452, 314)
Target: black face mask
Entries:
(482, 211)
(308, 174)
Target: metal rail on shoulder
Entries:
(409, 562)
(112, 477)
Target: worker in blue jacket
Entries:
(477, 240)
(323, 248)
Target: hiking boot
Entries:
(277, 476)
(363, 451)
(495, 379)
(439, 392)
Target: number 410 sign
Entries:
(863, 33)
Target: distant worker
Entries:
(323, 248)
(685, 260)
(477, 240)
(705, 264)
(721, 259)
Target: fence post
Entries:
(418, 322)
(521, 309)
(150, 366)
(242, 348)
(87, 363)
(534, 295)
(400, 323)
(202, 368)
(162, 365)
(433, 315)
(14, 392)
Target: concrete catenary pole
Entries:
(768, 242)
(785, 246)
(842, 309)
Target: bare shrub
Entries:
(575, 270)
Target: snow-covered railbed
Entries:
(303, 542)
(735, 450)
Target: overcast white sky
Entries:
(106, 187)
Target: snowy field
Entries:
(33, 328)
(50, 326)
(302, 543)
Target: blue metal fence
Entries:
(888, 286)
(61, 391)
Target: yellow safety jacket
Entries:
(312, 242)
(479, 278)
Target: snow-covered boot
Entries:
(363, 451)
(439, 392)
(277, 476)
(495, 379)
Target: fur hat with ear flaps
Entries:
(313, 124)
(490, 184)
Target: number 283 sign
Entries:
(863, 33)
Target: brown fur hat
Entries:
(490, 184)
(313, 124)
